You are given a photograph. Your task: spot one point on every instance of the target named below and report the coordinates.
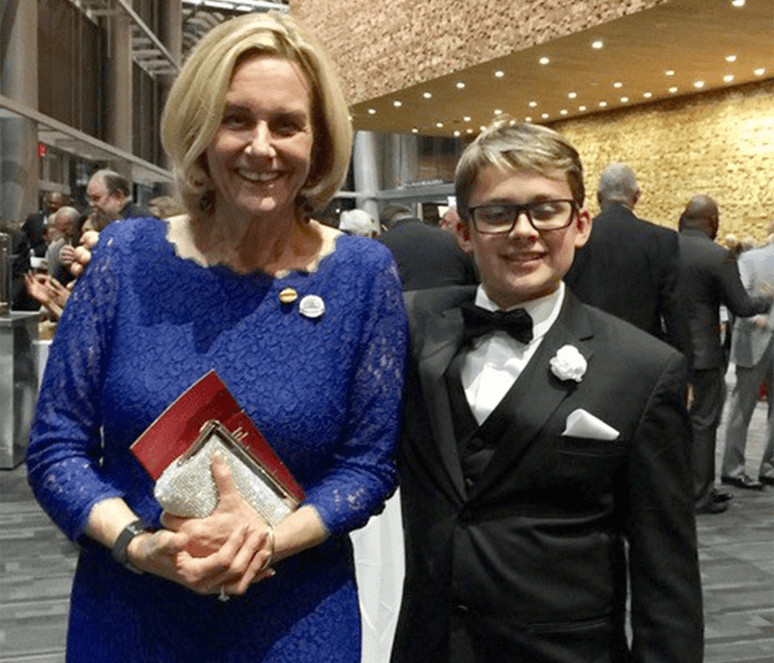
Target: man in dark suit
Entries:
(427, 256)
(532, 456)
(709, 277)
(110, 194)
(35, 225)
(629, 266)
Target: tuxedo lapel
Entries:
(444, 336)
(537, 393)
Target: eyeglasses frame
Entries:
(524, 209)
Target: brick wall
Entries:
(718, 143)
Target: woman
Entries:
(306, 327)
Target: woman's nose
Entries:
(262, 143)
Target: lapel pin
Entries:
(311, 306)
(288, 295)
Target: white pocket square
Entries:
(585, 425)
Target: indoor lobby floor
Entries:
(736, 550)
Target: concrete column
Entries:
(366, 170)
(120, 99)
(18, 136)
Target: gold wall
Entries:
(718, 143)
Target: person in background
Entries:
(36, 224)
(304, 324)
(629, 266)
(427, 256)
(358, 222)
(708, 278)
(60, 253)
(545, 456)
(110, 194)
(449, 220)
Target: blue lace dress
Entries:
(141, 326)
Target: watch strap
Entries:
(122, 543)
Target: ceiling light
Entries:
(572, 95)
(532, 104)
(647, 95)
(563, 111)
(673, 90)
(427, 95)
(698, 84)
(602, 104)
(439, 125)
(728, 78)
(469, 131)
(731, 58)
(482, 127)
(617, 84)
(545, 116)
(670, 72)
(624, 100)
(760, 71)
(466, 118)
(397, 103)
(460, 85)
(597, 44)
(499, 74)
(581, 108)
(372, 111)
(497, 111)
(544, 60)
(738, 3)
(415, 130)
(528, 119)
(457, 134)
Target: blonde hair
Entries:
(195, 105)
(517, 147)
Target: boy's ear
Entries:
(462, 233)
(582, 227)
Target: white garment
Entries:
(497, 359)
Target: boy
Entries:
(537, 444)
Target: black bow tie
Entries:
(479, 321)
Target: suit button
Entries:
(469, 483)
(460, 610)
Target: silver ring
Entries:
(223, 596)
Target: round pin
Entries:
(311, 306)
(288, 295)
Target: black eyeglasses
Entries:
(500, 218)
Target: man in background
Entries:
(629, 266)
(35, 225)
(427, 256)
(110, 194)
(708, 277)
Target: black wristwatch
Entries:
(122, 543)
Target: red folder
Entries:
(177, 428)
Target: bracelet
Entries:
(270, 537)
(122, 543)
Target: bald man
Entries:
(708, 277)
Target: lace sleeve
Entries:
(364, 472)
(64, 452)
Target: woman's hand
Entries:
(214, 535)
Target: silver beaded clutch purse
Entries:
(186, 487)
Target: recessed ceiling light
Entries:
(497, 111)
(602, 104)
(544, 60)
(439, 125)
(397, 103)
(738, 3)
(624, 100)
(460, 85)
(466, 118)
(728, 78)
(618, 84)
(572, 95)
(482, 127)
(563, 111)
(499, 74)
(528, 119)
(760, 71)
(427, 95)
(372, 111)
(673, 90)
(731, 58)
(597, 44)
(544, 116)
(532, 104)
(698, 84)
(469, 131)
(647, 95)
(670, 72)
(415, 130)
(581, 108)
(457, 133)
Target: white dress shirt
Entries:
(496, 360)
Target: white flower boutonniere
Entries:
(569, 364)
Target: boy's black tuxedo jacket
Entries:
(530, 563)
